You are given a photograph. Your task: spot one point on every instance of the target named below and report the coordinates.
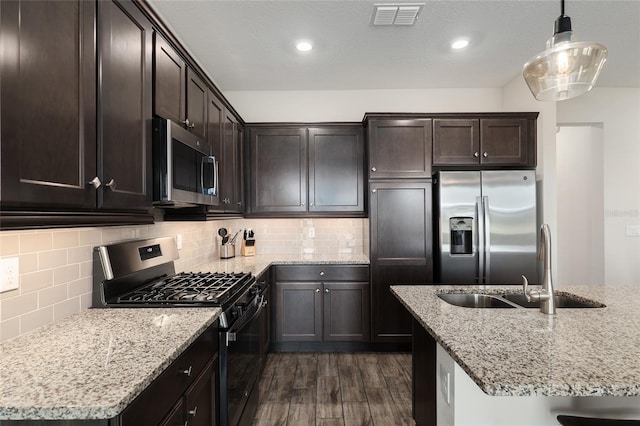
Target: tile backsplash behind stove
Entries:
(55, 265)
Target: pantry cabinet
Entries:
(327, 303)
(401, 252)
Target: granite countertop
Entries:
(523, 352)
(261, 262)
(93, 364)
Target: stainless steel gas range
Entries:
(142, 273)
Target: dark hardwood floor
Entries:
(327, 389)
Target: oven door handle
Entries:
(243, 322)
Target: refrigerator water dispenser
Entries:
(461, 236)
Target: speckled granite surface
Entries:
(93, 364)
(260, 263)
(578, 352)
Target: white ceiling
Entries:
(249, 45)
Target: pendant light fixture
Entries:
(567, 68)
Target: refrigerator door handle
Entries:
(487, 239)
(480, 236)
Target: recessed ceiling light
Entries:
(304, 46)
(459, 44)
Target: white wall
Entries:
(351, 105)
(617, 110)
(580, 153)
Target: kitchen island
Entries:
(519, 366)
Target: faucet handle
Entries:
(525, 285)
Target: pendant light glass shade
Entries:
(567, 68)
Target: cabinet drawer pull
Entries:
(186, 372)
(373, 191)
(321, 273)
(193, 412)
(95, 182)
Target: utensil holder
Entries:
(227, 251)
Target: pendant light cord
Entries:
(561, 7)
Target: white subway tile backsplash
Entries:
(66, 274)
(9, 244)
(65, 239)
(56, 266)
(52, 295)
(66, 308)
(36, 281)
(9, 329)
(16, 306)
(35, 319)
(52, 258)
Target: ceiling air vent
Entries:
(396, 13)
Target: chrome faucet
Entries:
(546, 296)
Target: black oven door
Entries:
(242, 363)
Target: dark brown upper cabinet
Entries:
(231, 165)
(125, 102)
(278, 170)
(76, 116)
(170, 77)
(500, 141)
(180, 94)
(399, 148)
(336, 169)
(307, 171)
(196, 104)
(48, 103)
(215, 135)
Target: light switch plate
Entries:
(9, 274)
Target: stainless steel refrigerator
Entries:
(486, 228)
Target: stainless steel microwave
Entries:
(185, 174)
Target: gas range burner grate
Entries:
(190, 288)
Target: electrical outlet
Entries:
(9, 274)
(312, 232)
(445, 384)
(179, 241)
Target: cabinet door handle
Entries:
(95, 182)
(373, 191)
(326, 290)
(302, 204)
(193, 412)
(186, 372)
(187, 123)
(485, 154)
(317, 290)
(112, 185)
(476, 154)
(373, 169)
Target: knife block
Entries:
(248, 248)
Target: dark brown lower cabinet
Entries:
(423, 377)
(329, 307)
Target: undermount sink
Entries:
(512, 300)
(562, 301)
(474, 300)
